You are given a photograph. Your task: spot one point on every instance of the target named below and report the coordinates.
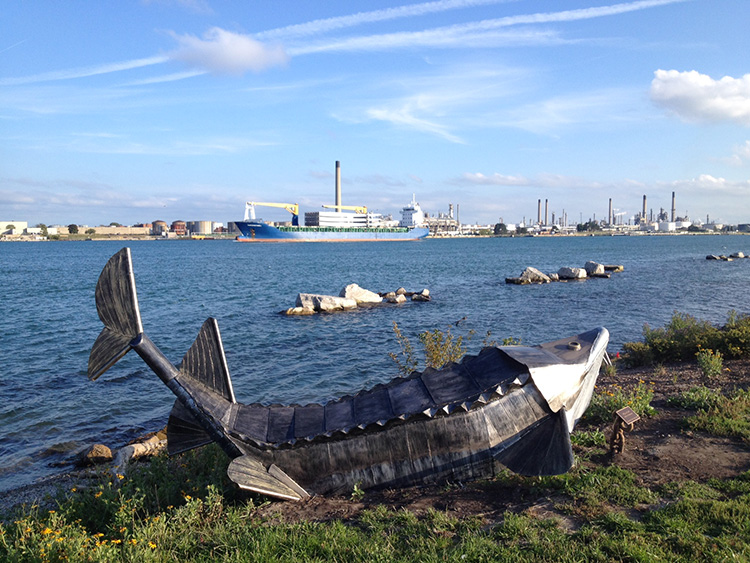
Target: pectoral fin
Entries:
(250, 474)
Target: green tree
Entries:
(115, 224)
(500, 228)
(90, 231)
(73, 229)
(43, 227)
(588, 226)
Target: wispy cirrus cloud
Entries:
(479, 32)
(405, 116)
(84, 72)
(324, 25)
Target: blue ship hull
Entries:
(258, 231)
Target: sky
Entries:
(139, 110)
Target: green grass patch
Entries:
(607, 400)
(729, 417)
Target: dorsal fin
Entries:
(205, 361)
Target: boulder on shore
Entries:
(360, 295)
(94, 454)
(567, 273)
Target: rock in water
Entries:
(324, 303)
(360, 295)
(593, 268)
(423, 295)
(528, 276)
(566, 273)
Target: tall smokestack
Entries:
(672, 207)
(539, 212)
(610, 211)
(643, 215)
(545, 211)
(338, 186)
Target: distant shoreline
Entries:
(97, 238)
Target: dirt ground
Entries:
(658, 450)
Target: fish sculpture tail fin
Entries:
(117, 305)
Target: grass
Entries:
(620, 519)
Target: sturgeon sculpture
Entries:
(512, 405)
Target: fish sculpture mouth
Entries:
(509, 405)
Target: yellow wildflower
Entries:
(97, 495)
(152, 545)
(46, 531)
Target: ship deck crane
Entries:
(355, 208)
(292, 208)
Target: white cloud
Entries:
(225, 52)
(495, 179)
(697, 97)
(740, 155)
(706, 184)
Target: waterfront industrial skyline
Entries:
(182, 109)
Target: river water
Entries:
(49, 409)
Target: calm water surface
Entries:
(49, 409)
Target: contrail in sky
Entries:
(83, 72)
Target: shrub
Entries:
(684, 336)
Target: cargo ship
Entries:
(344, 223)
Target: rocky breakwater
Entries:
(590, 270)
(730, 258)
(351, 297)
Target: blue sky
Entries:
(134, 111)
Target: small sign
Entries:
(627, 415)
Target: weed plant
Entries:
(711, 363)
(439, 348)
